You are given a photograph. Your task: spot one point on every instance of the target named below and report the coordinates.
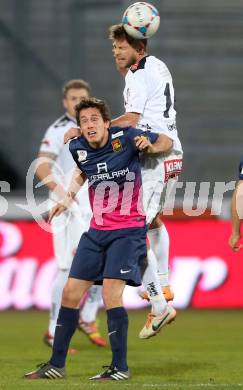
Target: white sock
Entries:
(152, 285)
(89, 310)
(160, 243)
(56, 297)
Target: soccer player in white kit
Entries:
(149, 105)
(55, 167)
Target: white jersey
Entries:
(53, 142)
(149, 91)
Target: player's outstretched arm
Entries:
(163, 144)
(44, 171)
(77, 181)
(72, 133)
(129, 119)
(236, 217)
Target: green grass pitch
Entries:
(200, 350)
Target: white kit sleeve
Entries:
(52, 141)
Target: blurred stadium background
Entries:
(44, 43)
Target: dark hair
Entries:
(75, 84)
(94, 103)
(118, 32)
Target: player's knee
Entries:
(105, 296)
(70, 296)
(110, 300)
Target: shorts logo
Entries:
(124, 271)
(241, 171)
(172, 168)
(82, 155)
(116, 145)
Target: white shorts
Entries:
(67, 229)
(159, 175)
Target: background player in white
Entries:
(55, 166)
(149, 104)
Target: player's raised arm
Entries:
(236, 216)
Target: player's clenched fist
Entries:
(143, 143)
(61, 206)
(56, 211)
(233, 242)
(72, 133)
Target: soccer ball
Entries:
(141, 20)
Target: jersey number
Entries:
(168, 100)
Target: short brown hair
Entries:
(94, 103)
(75, 84)
(118, 32)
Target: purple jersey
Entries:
(114, 177)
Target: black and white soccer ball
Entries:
(141, 20)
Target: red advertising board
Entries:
(205, 273)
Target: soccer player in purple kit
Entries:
(54, 157)
(113, 251)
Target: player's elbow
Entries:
(39, 172)
(42, 170)
(165, 144)
(168, 144)
(132, 119)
